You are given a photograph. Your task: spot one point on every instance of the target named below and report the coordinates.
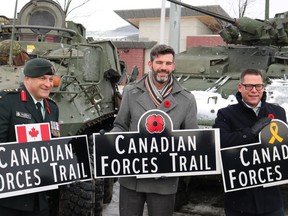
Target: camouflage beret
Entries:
(38, 67)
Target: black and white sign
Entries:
(259, 164)
(43, 165)
(157, 150)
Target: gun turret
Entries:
(249, 31)
(42, 21)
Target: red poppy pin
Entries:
(270, 115)
(155, 123)
(167, 103)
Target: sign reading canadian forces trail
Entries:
(42, 164)
(157, 150)
(260, 164)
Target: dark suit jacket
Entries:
(14, 110)
(235, 122)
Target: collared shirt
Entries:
(255, 109)
(41, 102)
(42, 106)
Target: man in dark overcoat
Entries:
(240, 124)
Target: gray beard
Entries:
(161, 80)
(158, 79)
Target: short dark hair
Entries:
(161, 49)
(250, 72)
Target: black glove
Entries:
(259, 125)
(102, 131)
(161, 177)
(74, 184)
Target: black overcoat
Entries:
(235, 122)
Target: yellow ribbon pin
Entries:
(274, 132)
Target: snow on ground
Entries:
(208, 104)
(277, 93)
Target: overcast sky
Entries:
(99, 15)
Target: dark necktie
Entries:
(39, 110)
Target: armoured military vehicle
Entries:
(85, 85)
(212, 74)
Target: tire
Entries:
(77, 199)
(99, 194)
(82, 198)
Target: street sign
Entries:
(157, 150)
(43, 165)
(260, 164)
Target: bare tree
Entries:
(66, 4)
(241, 6)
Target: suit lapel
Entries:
(145, 101)
(166, 107)
(32, 109)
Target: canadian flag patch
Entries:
(32, 132)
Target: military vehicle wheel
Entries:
(83, 198)
(107, 183)
(99, 193)
(77, 199)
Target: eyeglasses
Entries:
(249, 87)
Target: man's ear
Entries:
(26, 78)
(150, 64)
(27, 81)
(240, 87)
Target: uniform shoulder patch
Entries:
(5, 92)
(11, 90)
